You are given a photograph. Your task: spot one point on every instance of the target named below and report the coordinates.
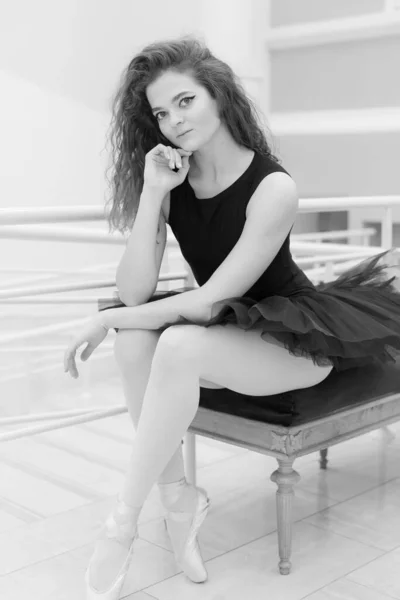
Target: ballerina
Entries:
(189, 151)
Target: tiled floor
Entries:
(56, 489)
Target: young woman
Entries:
(189, 151)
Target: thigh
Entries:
(243, 361)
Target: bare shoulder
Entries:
(271, 187)
(165, 206)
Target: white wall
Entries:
(289, 12)
(333, 71)
(60, 64)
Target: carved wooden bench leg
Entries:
(323, 461)
(285, 477)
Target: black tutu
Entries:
(351, 321)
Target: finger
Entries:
(68, 368)
(168, 155)
(67, 355)
(70, 363)
(159, 149)
(74, 370)
(171, 158)
(177, 158)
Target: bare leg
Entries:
(170, 403)
(134, 350)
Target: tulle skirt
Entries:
(351, 321)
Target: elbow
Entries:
(127, 300)
(134, 298)
(125, 297)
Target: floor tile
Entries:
(71, 471)
(319, 557)
(343, 589)
(36, 494)
(94, 448)
(58, 578)
(371, 518)
(139, 596)
(381, 575)
(8, 521)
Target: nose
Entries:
(175, 120)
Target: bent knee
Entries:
(135, 345)
(180, 342)
(181, 337)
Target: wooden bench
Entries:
(296, 423)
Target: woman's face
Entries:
(193, 110)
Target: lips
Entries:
(181, 134)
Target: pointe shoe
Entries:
(182, 528)
(119, 518)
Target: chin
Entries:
(184, 143)
(187, 142)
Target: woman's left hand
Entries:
(92, 334)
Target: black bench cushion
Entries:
(339, 391)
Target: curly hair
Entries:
(134, 130)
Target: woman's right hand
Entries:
(159, 163)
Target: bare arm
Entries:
(154, 315)
(266, 227)
(138, 271)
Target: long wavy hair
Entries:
(134, 130)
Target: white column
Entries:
(235, 31)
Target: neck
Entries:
(218, 159)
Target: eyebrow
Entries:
(173, 99)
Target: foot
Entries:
(113, 549)
(106, 563)
(187, 508)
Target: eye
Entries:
(186, 98)
(182, 99)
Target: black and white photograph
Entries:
(200, 300)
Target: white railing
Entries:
(309, 250)
(382, 119)
(334, 31)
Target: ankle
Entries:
(121, 523)
(178, 495)
(172, 491)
